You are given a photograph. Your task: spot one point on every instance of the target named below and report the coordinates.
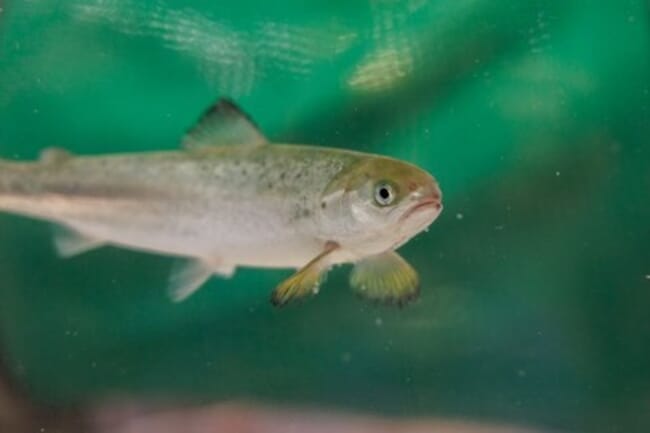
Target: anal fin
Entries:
(69, 242)
(386, 278)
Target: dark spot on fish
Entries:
(270, 185)
(306, 213)
(323, 205)
(282, 175)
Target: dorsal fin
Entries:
(223, 124)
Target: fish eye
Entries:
(384, 194)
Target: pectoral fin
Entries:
(306, 281)
(69, 242)
(189, 275)
(386, 278)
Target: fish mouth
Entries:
(426, 204)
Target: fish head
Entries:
(378, 204)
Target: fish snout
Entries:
(431, 195)
(426, 202)
(437, 199)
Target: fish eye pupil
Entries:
(384, 194)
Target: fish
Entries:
(230, 198)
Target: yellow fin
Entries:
(306, 281)
(386, 278)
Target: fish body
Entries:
(228, 199)
(252, 206)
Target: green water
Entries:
(534, 116)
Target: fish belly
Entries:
(245, 236)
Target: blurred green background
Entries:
(534, 116)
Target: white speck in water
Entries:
(647, 277)
(499, 227)
(459, 216)
(379, 321)
(557, 173)
(316, 289)
(346, 357)
(426, 230)
(521, 373)
(35, 111)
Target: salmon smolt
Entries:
(230, 198)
